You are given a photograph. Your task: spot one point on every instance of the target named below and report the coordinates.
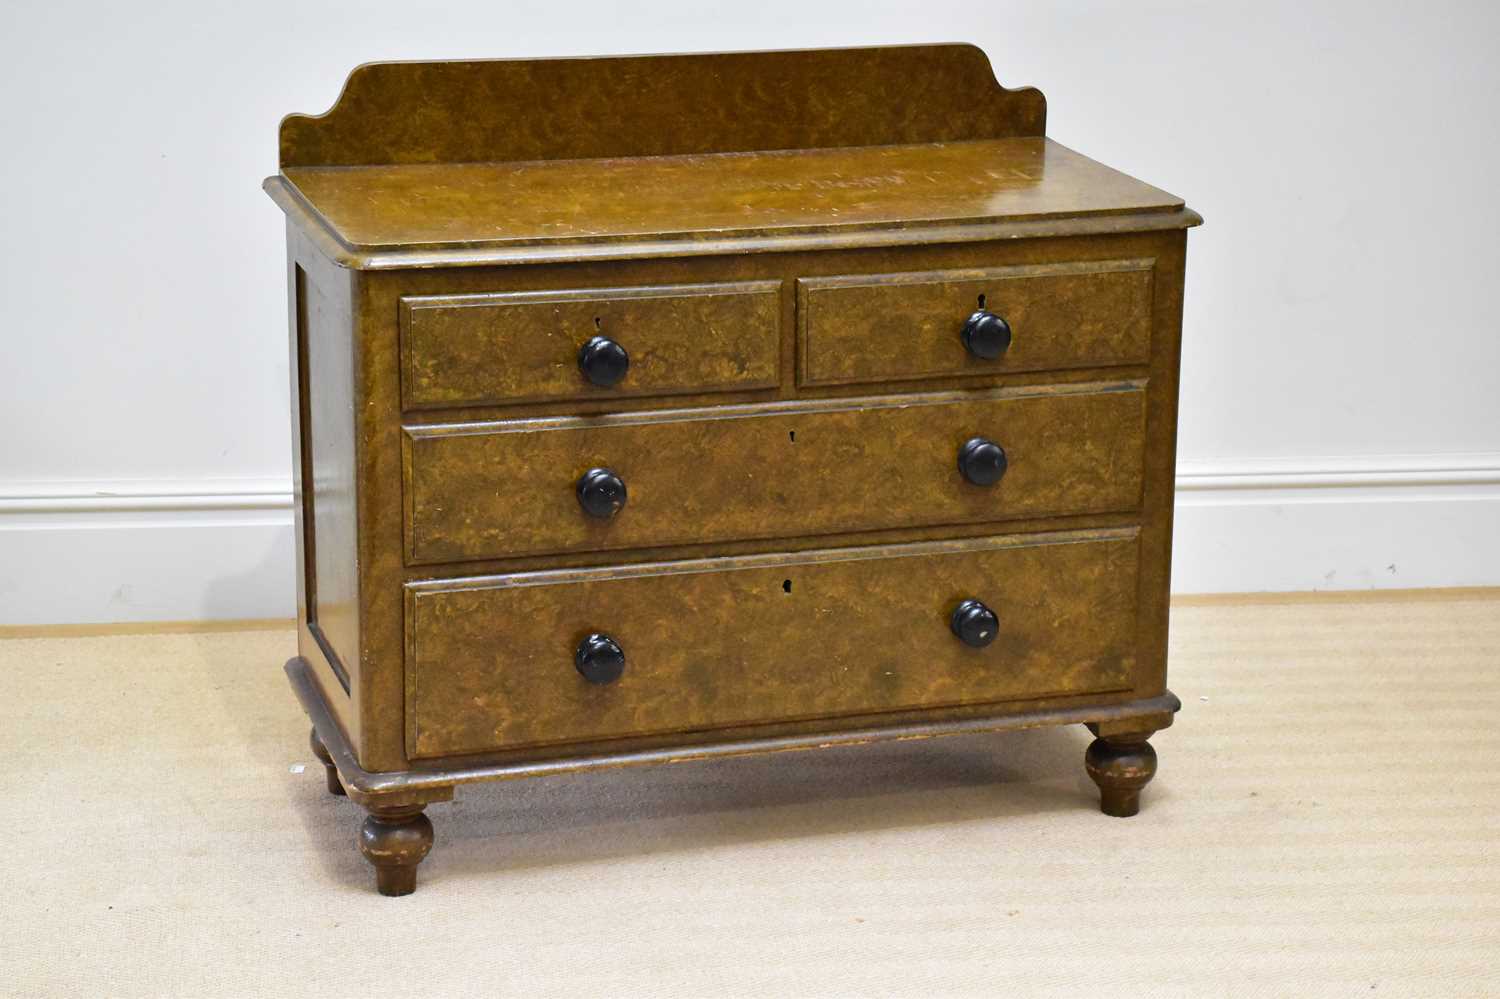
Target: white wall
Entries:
(1340, 423)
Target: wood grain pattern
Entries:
(898, 327)
(492, 349)
(727, 642)
(660, 105)
(506, 488)
(779, 193)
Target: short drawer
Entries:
(494, 349)
(509, 488)
(707, 644)
(892, 327)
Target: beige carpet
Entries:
(1326, 822)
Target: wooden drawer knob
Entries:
(599, 659)
(982, 461)
(601, 493)
(975, 624)
(603, 361)
(986, 335)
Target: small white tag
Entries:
(297, 768)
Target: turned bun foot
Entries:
(1121, 765)
(395, 840)
(335, 786)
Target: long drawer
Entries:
(707, 644)
(510, 488)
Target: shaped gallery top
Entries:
(423, 164)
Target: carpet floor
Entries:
(1326, 821)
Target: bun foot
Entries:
(395, 839)
(335, 786)
(1121, 765)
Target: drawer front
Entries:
(774, 638)
(500, 489)
(477, 350)
(891, 327)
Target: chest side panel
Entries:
(324, 473)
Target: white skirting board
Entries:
(1394, 522)
(81, 552)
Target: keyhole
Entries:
(791, 435)
(600, 326)
(981, 304)
(786, 586)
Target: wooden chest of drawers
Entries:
(678, 406)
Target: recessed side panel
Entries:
(325, 457)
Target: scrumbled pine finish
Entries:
(669, 407)
(485, 490)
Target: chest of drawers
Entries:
(669, 407)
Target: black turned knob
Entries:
(986, 335)
(981, 461)
(601, 493)
(599, 659)
(603, 361)
(975, 624)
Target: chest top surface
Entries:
(453, 163)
